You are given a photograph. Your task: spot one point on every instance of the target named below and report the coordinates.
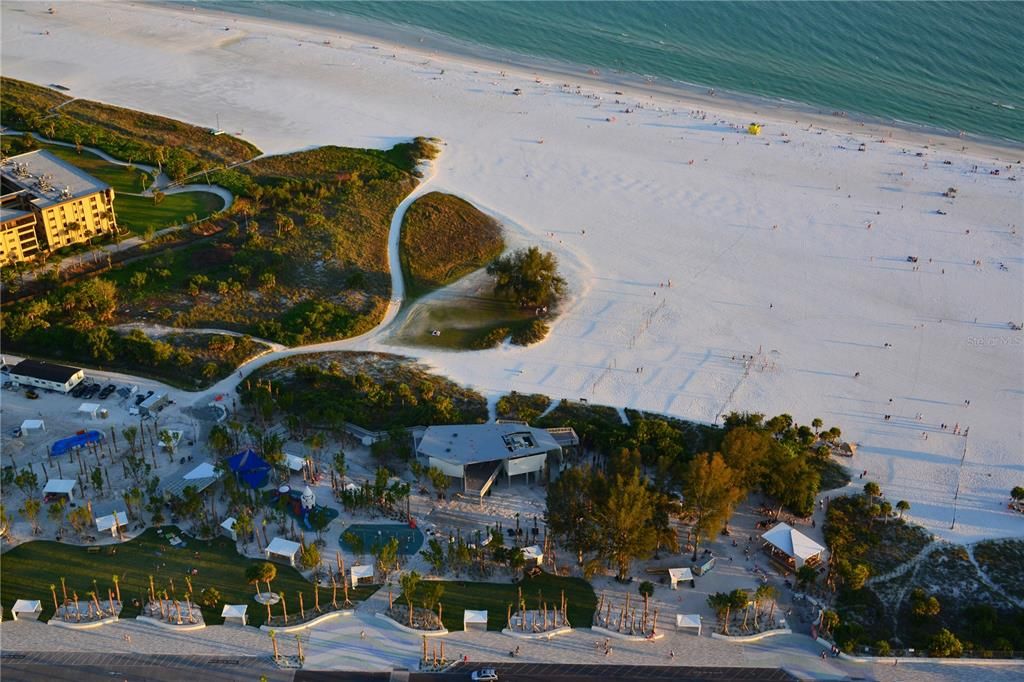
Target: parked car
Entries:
(78, 390)
(107, 390)
(31, 394)
(485, 675)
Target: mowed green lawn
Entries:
(139, 214)
(119, 177)
(496, 597)
(28, 570)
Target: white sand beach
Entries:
(791, 246)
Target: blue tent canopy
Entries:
(250, 468)
(76, 441)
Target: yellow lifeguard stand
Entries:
(754, 128)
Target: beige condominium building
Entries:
(47, 204)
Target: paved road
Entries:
(92, 667)
(538, 672)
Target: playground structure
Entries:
(302, 506)
(410, 538)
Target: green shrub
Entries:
(531, 333)
(492, 339)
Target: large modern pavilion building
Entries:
(479, 453)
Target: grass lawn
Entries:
(496, 597)
(138, 214)
(465, 322)
(30, 569)
(119, 177)
(445, 238)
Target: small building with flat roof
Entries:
(478, 453)
(47, 375)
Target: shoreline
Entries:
(431, 44)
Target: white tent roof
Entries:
(229, 523)
(533, 552)
(474, 617)
(294, 463)
(679, 574)
(28, 606)
(234, 611)
(792, 542)
(107, 522)
(283, 547)
(361, 571)
(59, 486)
(687, 620)
(204, 470)
(89, 408)
(32, 424)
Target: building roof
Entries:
(11, 214)
(45, 371)
(282, 547)
(688, 620)
(294, 463)
(49, 179)
(792, 542)
(89, 408)
(472, 443)
(533, 552)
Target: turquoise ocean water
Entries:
(958, 66)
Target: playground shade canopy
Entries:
(688, 620)
(250, 468)
(204, 470)
(677, 575)
(32, 425)
(234, 611)
(474, 618)
(793, 543)
(75, 441)
(360, 571)
(60, 486)
(30, 607)
(533, 554)
(199, 479)
(283, 548)
(107, 522)
(294, 463)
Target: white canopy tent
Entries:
(475, 619)
(283, 548)
(32, 425)
(793, 544)
(677, 575)
(111, 522)
(685, 621)
(294, 463)
(234, 614)
(533, 555)
(228, 528)
(61, 486)
(89, 408)
(26, 609)
(358, 572)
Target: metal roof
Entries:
(472, 443)
(44, 371)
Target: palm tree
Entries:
(872, 490)
(721, 602)
(806, 576)
(273, 640)
(409, 582)
(117, 588)
(763, 593)
(903, 506)
(56, 607)
(829, 619)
